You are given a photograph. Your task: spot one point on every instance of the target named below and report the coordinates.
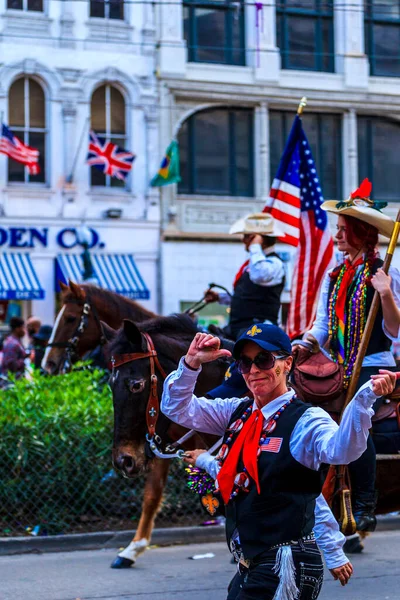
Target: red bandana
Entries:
(240, 272)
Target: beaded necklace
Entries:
(355, 319)
(199, 481)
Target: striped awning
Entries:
(115, 272)
(18, 279)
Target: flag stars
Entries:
(310, 162)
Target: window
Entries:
(27, 120)
(305, 34)
(33, 5)
(107, 9)
(324, 135)
(216, 153)
(382, 36)
(214, 31)
(377, 159)
(108, 121)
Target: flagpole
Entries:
(69, 178)
(302, 105)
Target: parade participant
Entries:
(270, 483)
(40, 341)
(344, 303)
(33, 325)
(14, 353)
(259, 282)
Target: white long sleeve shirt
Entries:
(264, 269)
(315, 439)
(320, 326)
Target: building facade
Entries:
(232, 75)
(67, 67)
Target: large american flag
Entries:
(15, 149)
(295, 202)
(108, 157)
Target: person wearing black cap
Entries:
(270, 459)
(40, 341)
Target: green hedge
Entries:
(55, 461)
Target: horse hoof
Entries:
(122, 563)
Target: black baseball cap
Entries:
(269, 337)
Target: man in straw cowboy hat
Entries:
(344, 304)
(259, 282)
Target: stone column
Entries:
(172, 46)
(69, 113)
(152, 194)
(350, 152)
(351, 59)
(263, 52)
(261, 150)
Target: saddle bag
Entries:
(317, 379)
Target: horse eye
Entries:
(70, 318)
(135, 385)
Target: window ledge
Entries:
(22, 22)
(29, 190)
(108, 194)
(110, 29)
(213, 198)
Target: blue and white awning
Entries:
(115, 272)
(18, 279)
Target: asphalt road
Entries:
(168, 574)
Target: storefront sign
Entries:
(32, 237)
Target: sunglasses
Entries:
(263, 361)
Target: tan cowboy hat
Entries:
(360, 206)
(262, 223)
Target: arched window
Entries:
(108, 121)
(27, 119)
(216, 153)
(377, 159)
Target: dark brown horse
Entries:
(131, 386)
(77, 328)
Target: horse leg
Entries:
(153, 491)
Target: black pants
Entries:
(363, 470)
(259, 582)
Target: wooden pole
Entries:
(371, 317)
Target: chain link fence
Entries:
(55, 463)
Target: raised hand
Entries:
(211, 296)
(204, 348)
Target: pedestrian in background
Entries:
(14, 353)
(33, 325)
(40, 341)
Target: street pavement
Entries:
(168, 574)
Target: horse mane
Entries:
(174, 325)
(116, 302)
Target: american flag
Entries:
(15, 149)
(108, 157)
(295, 201)
(271, 444)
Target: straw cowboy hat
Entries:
(360, 206)
(262, 223)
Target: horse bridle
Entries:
(71, 345)
(153, 403)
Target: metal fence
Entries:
(55, 468)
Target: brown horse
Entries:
(131, 383)
(77, 328)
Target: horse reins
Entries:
(153, 403)
(71, 345)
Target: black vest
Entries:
(252, 303)
(379, 342)
(284, 509)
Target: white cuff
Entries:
(335, 559)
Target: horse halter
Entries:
(153, 403)
(71, 345)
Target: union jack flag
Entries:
(295, 201)
(108, 157)
(271, 444)
(15, 149)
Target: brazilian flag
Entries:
(169, 168)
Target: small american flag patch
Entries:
(271, 444)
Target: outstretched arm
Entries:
(391, 314)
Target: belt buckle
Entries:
(244, 562)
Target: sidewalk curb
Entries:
(108, 539)
(119, 539)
